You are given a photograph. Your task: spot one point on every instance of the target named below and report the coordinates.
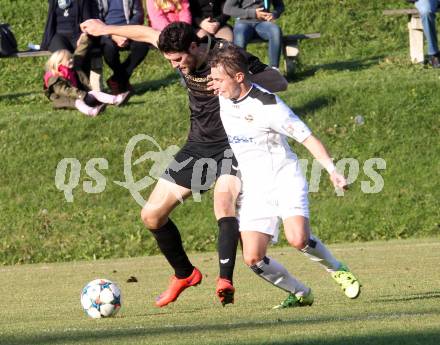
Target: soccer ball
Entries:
(101, 298)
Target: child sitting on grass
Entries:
(67, 86)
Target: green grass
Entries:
(358, 67)
(398, 304)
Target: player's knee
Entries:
(151, 219)
(298, 242)
(251, 259)
(145, 216)
(224, 207)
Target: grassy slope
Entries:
(398, 305)
(358, 67)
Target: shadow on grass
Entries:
(416, 296)
(134, 334)
(154, 85)
(414, 338)
(14, 96)
(349, 65)
(313, 106)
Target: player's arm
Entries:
(320, 153)
(270, 79)
(263, 75)
(140, 33)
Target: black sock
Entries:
(170, 244)
(228, 236)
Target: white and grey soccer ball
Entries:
(101, 298)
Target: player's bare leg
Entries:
(163, 199)
(254, 254)
(254, 246)
(299, 236)
(226, 192)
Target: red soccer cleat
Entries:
(225, 291)
(177, 286)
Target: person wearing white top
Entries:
(258, 123)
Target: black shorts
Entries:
(198, 165)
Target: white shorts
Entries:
(261, 209)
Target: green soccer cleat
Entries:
(292, 301)
(348, 282)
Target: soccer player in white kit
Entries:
(257, 124)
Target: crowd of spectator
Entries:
(208, 17)
(253, 19)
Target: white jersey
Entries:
(257, 126)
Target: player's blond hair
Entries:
(56, 59)
(166, 4)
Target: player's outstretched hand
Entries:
(338, 180)
(94, 27)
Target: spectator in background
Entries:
(254, 19)
(67, 86)
(209, 19)
(427, 9)
(163, 12)
(121, 12)
(62, 29)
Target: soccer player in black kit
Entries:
(205, 158)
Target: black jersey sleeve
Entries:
(255, 65)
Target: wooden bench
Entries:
(95, 73)
(415, 30)
(290, 49)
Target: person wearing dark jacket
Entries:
(62, 29)
(209, 19)
(255, 19)
(122, 12)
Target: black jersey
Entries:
(206, 125)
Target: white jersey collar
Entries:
(241, 99)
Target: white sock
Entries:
(84, 108)
(96, 110)
(276, 274)
(103, 97)
(120, 98)
(318, 252)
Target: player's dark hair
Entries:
(177, 37)
(231, 58)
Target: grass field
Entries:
(399, 303)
